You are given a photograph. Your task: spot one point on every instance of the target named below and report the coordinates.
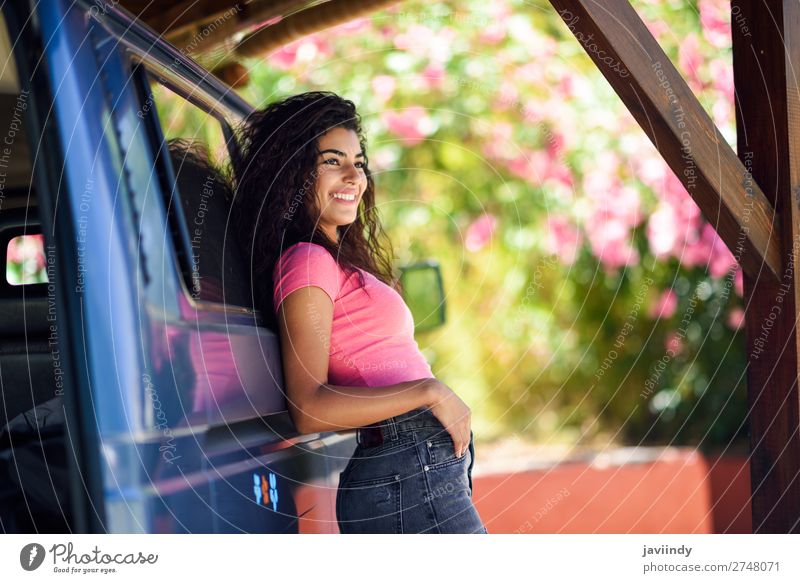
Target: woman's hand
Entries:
(451, 412)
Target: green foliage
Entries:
(487, 122)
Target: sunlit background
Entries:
(588, 301)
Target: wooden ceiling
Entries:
(218, 34)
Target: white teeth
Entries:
(344, 196)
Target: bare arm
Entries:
(304, 321)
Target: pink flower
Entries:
(302, 50)
(721, 260)
(561, 173)
(492, 34)
(690, 60)
(433, 75)
(715, 17)
(564, 239)
(736, 318)
(531, 73)
(507, 96)
(650, 167)
(662, 230)
(675, 193)
(533, 112)
(708, 251)
(674, 342)
(423, 41)
(676, 228)
(495, 30)
(665, 306)
(566, 85)
(603, 176)
(37, 250)
(615, 255)
(738, 281)
(14, 252)
(613, 211)
(722, 112)
(414, 38)
(480, 232)
(555, 144)
(530, 165)
(722, 76)
(284, 57)
(411, 125)
(695, 249)
(383, 87)
(499, 145)
(657, 28)
(609, 240)
(625, 204)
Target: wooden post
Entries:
(766, 57)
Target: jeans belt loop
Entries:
(393, 428)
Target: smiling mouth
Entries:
(344, 197)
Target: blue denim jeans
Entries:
(407, 480)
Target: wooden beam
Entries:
(659, 99)
(187, 15)
(766, 57)
(199, 26)
(268, 39)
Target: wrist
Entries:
(433, 392)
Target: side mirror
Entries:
(423, 292)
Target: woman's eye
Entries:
(335, 162)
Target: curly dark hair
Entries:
(275, 204)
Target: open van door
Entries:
(50, 476)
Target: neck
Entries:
(332, 234)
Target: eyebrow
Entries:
(340, 153)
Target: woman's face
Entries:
(341, 179)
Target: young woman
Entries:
(305, 200)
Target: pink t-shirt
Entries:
(372, 334)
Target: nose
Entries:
(351, 173)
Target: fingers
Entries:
(462, 444)
(459, 446)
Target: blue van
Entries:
(141, 391)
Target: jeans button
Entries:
(426, 468)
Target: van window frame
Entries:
(142, 73)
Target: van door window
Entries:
(193, 145)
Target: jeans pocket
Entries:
(371, 506)
(441, 452)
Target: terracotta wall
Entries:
(681, 491)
